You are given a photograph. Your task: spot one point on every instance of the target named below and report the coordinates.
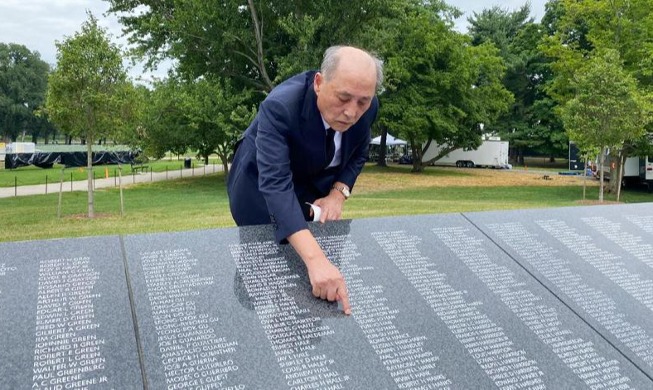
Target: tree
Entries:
(206, 115)
(498, 26)
(23, 82)
(530, 124)
(607, 109)
(135, 100)
(216, 116)
(438, 87)
(254, 44)
(584, 29)
(86, 90)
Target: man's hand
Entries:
(331, 205)
(326, 280)
(328, 283)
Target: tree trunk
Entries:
(225, 166)
(258, 33)
(417, 158)
(615, 179)
(89, 175)
(621, 174)
(601, 174)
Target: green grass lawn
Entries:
(201, 202)
(33, 175)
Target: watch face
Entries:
(345, 192)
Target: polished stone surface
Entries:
(556, 298)
(65, 316)
(598, 260)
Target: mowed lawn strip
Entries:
(201, 202)
(31, 175)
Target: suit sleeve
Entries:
(275, 177)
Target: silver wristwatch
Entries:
(343, 190)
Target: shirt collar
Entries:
(326, 125)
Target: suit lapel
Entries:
(312, 131)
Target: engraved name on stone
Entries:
(486, 342)
(634, 245)
(578, 354)
(192, 352)
(644, 222)
(402, 354)
(291, 330)
(4, 270)
(609, 264)
(67, 350)
(596, 303)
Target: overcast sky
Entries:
(37, 24)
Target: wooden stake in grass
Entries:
(122, 199)
(60, 195)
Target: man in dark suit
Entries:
(308, 143)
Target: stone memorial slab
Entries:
(436, 304)
(598, 260)
(556, 298)
(65, 316)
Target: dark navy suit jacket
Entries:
(280, 162)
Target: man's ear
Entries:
(317, 82)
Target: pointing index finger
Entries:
(344, 299)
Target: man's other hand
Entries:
(331, 206)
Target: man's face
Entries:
(344, 98)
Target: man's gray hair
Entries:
(332, 57)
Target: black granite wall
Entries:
(556, 298)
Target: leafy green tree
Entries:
(206, 115)
(133, 110)
(163, 126)
(86, 91)
(439, 89)
(255, 44)
(585, 28)
(216, 117)
(530, 125)
(23, 82)
(607, 110)
(498, 26)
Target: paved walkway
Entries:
(82, 185)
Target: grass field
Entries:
(33, 175)
(201, 202)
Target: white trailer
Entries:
(638, 170)
(491, 153)
(20, 147)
